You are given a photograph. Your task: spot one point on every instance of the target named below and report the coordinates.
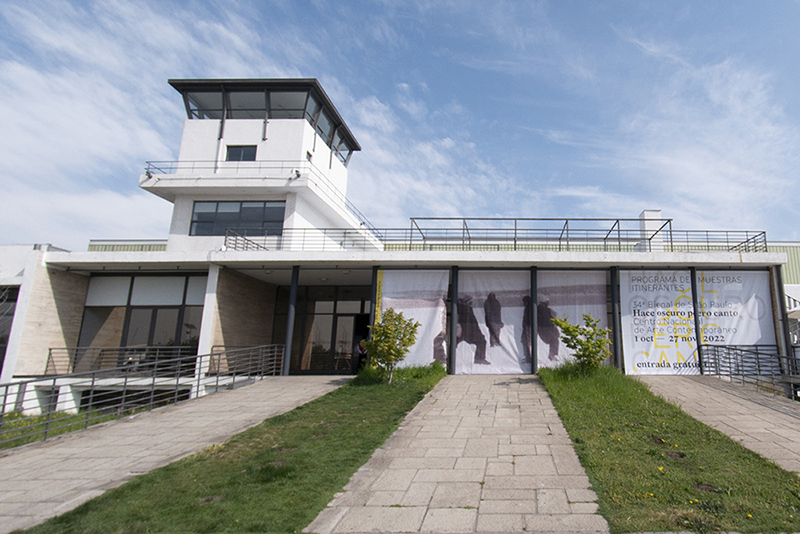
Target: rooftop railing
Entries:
(571, 236)
(33, 410)
(281, 171)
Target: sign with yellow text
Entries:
(658, 327)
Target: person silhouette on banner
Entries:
(494, 319)
(469, 330)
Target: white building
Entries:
(264, 248)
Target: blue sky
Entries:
(479, 109)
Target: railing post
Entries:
(125, 392)
(50, 409)
(91, 398)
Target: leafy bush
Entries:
(391, 339)
(590, 342)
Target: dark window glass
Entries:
(286, 105)
(165, 327)
(324, 127)
(190, 328)
(247, 105)
(312, 110)
(241, 153)
(8, 303)
(139, 327)
(246, 218)
(205, 105)
(252, 211)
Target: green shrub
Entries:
(391, 338)
(590, 342)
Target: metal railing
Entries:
(61, 361)
(499, 239)
(35, 409)
(759, 365)
(282, 170)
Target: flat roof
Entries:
(271, 84)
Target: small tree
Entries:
(590, 342)
(391, 339)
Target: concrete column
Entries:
(207, 328)
(287, 351)
(616, 326)
(451, 349)
(782, 318)
(534, 323)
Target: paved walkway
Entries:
(478, 454)
(766, 424)
(43, 480)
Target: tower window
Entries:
(241, 153)
(248, 218)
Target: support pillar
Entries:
(451, 349)
(616, 326)
(534, 323)
(783, 316)
(287, 351)
(373, 301)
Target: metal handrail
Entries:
(35, 409)
(761, 365)
(68, 360)
(570, 238)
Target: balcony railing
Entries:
(572, 237)
(33, 410)
(280, 170)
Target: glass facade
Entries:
(155, 311)
(8, 303)
(245, 218)
(329, 323)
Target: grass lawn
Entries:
(274, 477)
(655, 468)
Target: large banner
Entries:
(419, 295)
(566, 295)
(493, 322)
(658, 322)
(735, 308)
(658, 334)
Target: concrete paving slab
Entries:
(467, 482)
(56, 476)
(764, 423)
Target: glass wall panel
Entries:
(158, 290)
(190, 327)
(247, 105)
(8, 303)
(165, 327)
(205, 105)
(139, 327)
(288, 105)
(108, 291)
(196, 290)
(319, 329)
(320, 299)
(342, 358)
(102, 327)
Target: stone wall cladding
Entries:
(245, 310)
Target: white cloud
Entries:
(713, 148)
(85, 103)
